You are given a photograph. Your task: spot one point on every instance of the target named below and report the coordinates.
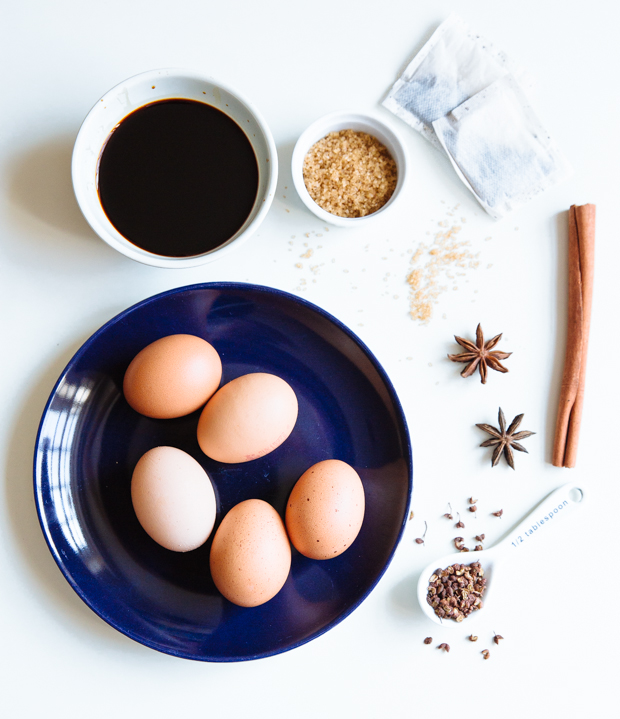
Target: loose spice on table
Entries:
(505, 440)
(420, 540)
(480, 355)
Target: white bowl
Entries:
(141, 90)
(335, 122)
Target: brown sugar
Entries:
(429, 263)
(350, 173)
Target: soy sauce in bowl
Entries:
(177, 178)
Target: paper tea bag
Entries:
(454, 65)
(499, 148)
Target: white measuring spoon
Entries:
(555, 505)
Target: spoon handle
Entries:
(555, 505)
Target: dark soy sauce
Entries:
(177, 178)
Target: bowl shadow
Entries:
(39, 185)
(286, 194)
(404, 598)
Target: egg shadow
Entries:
(40, 187)
(22, 516)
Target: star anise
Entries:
(505, 440)
(480, 355)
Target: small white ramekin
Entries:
(335, 122)
(141, 90)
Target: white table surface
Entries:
(556, 606)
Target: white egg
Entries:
(173, 499)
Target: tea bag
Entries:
(499, 148)
(466, 97)
(454, 65)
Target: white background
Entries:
(556, 605)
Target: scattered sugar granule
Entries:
(429, 263)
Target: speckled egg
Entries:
(247, 418)
(250, 555)
(325, 510)
(173, 499)
(172, 377)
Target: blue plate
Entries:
(90, 440)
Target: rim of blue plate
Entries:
(237, 286)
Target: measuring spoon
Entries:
(557, 504)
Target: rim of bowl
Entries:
(361, 122)
(102, 225)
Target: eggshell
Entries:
(247, 418)
(250, 555)
(325, 510)
(172, 377)
(173, 499)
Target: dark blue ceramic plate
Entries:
(90, 440)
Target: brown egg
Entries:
(247, 418)
(172, 376)
(250, 555)
(173, 499)
(325, 511)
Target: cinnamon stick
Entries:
(581, 230)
